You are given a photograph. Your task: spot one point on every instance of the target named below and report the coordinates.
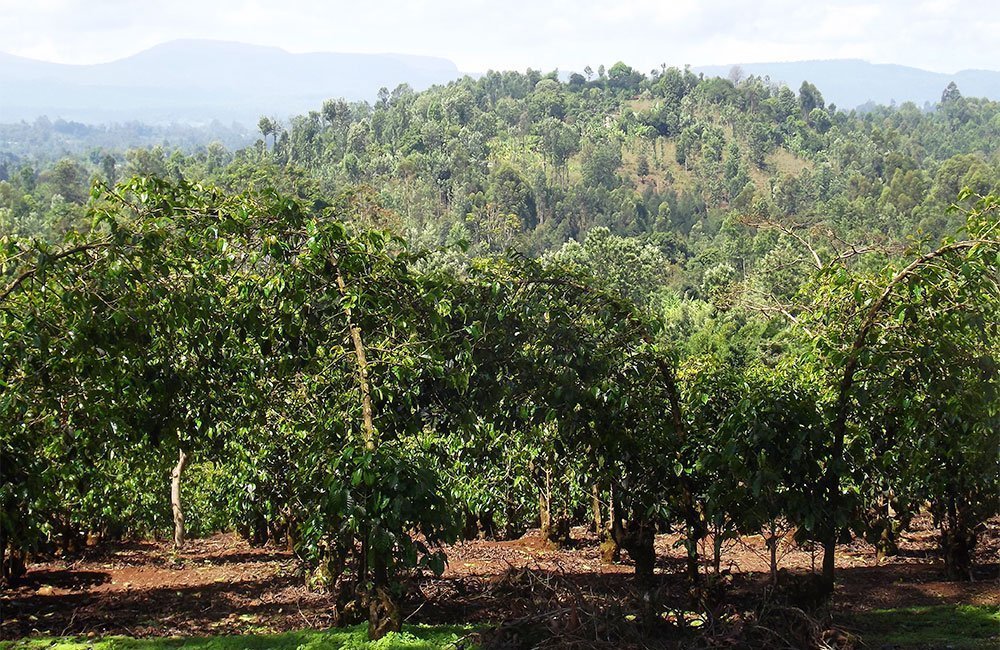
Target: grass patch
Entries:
(787, 163)
(939, 626)
(413, 637)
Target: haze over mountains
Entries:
(849, 83)
(196, 81)
(200, 81)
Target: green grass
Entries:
(940, 626)
(413, 637)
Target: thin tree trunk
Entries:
(565, 517)
(717, 551)
(545, 508)
(695, 527)
(595, 496)
(175, 498)
(772, 546)
(610, 550)
(365, 386)
(383, 611)
(957, 540)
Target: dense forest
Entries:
(644, 302)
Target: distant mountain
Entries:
(198, 81)
(849, 83)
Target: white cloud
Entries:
(480, 34)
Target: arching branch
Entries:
(839, 425)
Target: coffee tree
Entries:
(944, 300)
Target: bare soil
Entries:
(221, 585)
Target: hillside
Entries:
(673, 165)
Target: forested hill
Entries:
(528, 161)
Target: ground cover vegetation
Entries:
(715, 308)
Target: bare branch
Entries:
(30, 273)
(787, 230)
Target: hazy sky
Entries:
(940, 35)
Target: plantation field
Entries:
(637, 304)
(497, 592)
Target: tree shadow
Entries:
(201, 609)
(264, 557)
(265, 598)
(62, 579)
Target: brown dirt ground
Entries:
(221, 585)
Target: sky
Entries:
(938, 35)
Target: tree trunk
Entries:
(367, 423)
(384, 614)
(831, 479)
(175, 498)
(695, 530)
(545, 508)
(772, 547)
(637, 538)
(13, 565)
(886, 545)
(958, 541)
(717, 552)
(610, 551)
(829, 557)
(564, 521)
(513, 526)
(692, 564)
(553, 517)
(595, 498)
(643, 553)
(470, 528)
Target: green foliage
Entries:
(910, 353)
(951, 626)
(715, 351)
(762, 446)
(412, 637)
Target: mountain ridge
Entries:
(850, 83)
(199, 80)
